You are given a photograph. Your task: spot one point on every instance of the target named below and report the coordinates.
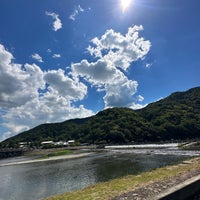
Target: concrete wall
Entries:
(183, 191)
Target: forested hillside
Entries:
(176, 117)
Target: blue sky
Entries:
(67, 59)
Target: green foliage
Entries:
(176, 117)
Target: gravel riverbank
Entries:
(71, 156)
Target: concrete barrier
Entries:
(183, 191)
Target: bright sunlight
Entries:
(125, 4)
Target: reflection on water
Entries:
(38, 180)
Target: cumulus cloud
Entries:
(148, 65)
(17, 84)
(140, 98)
(30, 96)
(118, 88)
(96, 73)
(37, 57)
(57, 24)
(120, 93)
(120, 49)
(56, 56)
(47, 108)
(136, 106)
(76, 11)
(114, 53)
(64, 85)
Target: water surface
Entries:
(38, 180)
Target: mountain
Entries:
(176, 117)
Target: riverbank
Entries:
(54, 158)
(144, 186)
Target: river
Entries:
(38, 180)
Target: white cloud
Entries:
(140, 98)
(17, 84)
(37, 57)
(136, 106)
(30, 96)
(97, 73)
(76, 11)
(49, 51)
(57, 24)
(64, 86)
(118, 88)
(48, 108)
(122, 50)
(120, 93)
(148, 65)
(56, 56)
(114, 52)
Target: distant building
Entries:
(24, 145)
(60, 143)
(47, 142)
(70, 142)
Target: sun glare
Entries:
(125, 4)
